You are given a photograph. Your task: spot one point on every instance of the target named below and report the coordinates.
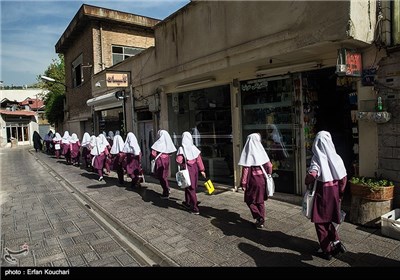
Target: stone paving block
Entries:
(66, 242)
(109, 262)
(78, 249)
(52, 241)
(212, 256)
(152, 233)
(42, 261)
(191, 259)
(91, 256)
(84, 238)
(163, 247)
(227, 250)
(47, 251)
(126, 260)
(77, 261)
(61, 263)
(109, 246)
(27, 261)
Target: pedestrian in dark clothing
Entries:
(37, 141)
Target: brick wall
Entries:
(389, 133)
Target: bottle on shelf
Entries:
(379, 106)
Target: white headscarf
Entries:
(104, 139)
(328, 164)
(98, 147)
(85, 140)
(57, 137)
(66, 137)
(190, 151)
(92, 142)
(253, 153)
(164, 143)
(74, 138)
(118, 145)
(131, 145)
(117, 132)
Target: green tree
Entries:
(54, 99)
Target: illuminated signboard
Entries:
(348, 63)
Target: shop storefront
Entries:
(17, 127)
(267, 108)
(206, 114)
(289, 110)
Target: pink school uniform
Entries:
(188, 153)
(253, 180)
(161, 149)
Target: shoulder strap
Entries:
(184, 156)
(263, 170)
(157, 156)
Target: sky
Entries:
(30, 30)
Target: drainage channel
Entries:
(143, 252)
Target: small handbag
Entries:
(270, 184)
(153, 163)
(308, 201)
(209, 186)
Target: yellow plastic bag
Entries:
(209, 186)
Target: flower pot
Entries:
(369, 204)
(376, 194)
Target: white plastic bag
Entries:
(308, 201)
(270, 185)
(183, 178)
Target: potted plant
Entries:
(372, 188)
(371, 197)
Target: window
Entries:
(120, 53)
(77, 74)
(17, 131)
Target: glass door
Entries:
(268, 108)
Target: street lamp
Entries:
(48, 79)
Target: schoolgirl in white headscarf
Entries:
(86, 149)
(327, 170)
(160, 151)
(57, 145)
(255, 162)
(118, 157)
(75, 149)
(107, 163)
(66, 148)
(99, 152)
(133, 159)
(189, 156)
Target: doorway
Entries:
(329, 101)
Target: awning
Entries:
(103, 102)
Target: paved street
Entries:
(45, 203)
